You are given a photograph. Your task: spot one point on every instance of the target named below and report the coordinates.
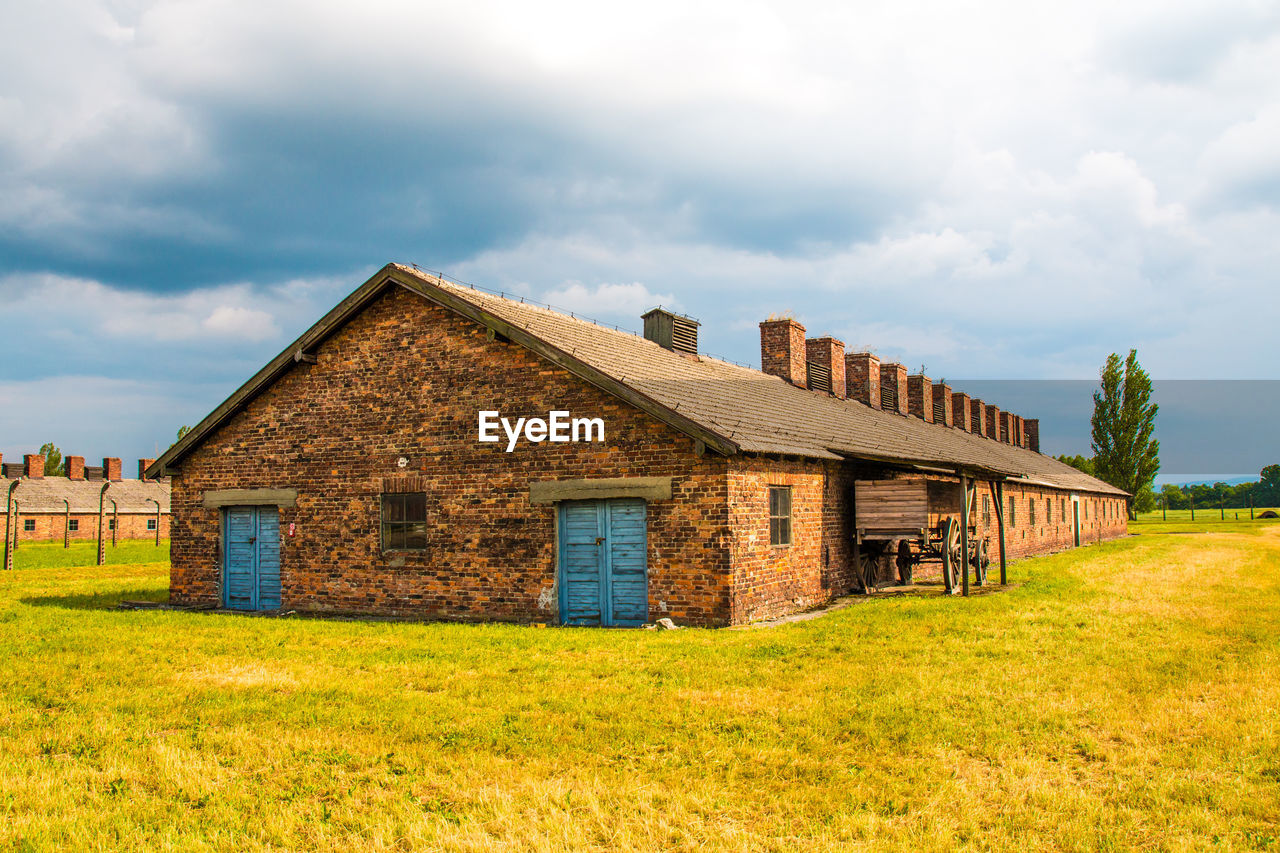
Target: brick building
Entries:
(430, 449)
(36, 507)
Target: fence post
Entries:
(102, 513)
(8, 522)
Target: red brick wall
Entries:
(406, 378)
(1050, 532)
(49, 526)
(769, 580)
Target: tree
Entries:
(1267, 491)
(1125, 453)
(52, 459)
(1145, 500)
(1080, 463)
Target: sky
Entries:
(985, 190)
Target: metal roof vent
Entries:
(673, 331)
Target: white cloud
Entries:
(627, 301)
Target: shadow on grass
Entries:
(97, 600)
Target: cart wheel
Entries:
(867, 568)
(980, 561)
(951, 563)
(905, 564)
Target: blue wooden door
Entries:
(604, 576)
(252, 558)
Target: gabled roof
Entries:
(46, 494)
(729, 408)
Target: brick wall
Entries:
(406, 378)
(773, 580)
(1101, 518)
(49, 526)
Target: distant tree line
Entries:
(1265, 492)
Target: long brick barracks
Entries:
(432, 450)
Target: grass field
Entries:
(1124, 695)
(47, 555)
(1205, 515)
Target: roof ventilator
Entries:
(673, 331)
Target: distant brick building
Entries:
(36, 507)
(367, 468)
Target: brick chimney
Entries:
(783, 351)
(920, 397)
(993, 423)
(111, 468)
(33, 466)
(1019, 435)
(1006, 427)
(978, 417)
(75, 467)
(1033, 434)
(893, 387)
(942, 404)
(825, 368)
(143, 465)
(862, 378)
(961, 418)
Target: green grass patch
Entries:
(1206, 515)
(1123, 695)
(47, 555)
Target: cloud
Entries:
(1016, 188)
(626, 301)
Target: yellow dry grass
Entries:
(1122, 696)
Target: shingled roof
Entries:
(731, 408)
(46, 494)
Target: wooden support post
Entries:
(997, 493)
(115, 522)
(1193, 507)
(964, 532)
(17, 517)
(1251, 507)
(66, 525)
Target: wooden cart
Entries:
(899, 524)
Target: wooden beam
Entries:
(649, 488)
(997, 494)
(964, 532)
(249, 497)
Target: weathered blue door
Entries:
(252, 558)
(604, 577)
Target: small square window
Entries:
(73, 525)
(779, 515)
(1031, 511)
(111, 524)
(1063, 501)
(404, 522)
(29, 525)
(151, 524)
(1013, 512)
(986, 509)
